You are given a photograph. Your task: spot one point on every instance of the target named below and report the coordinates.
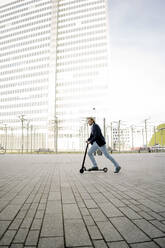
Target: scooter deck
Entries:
(105, 169)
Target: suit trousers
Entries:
(103, 149)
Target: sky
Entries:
(137, 59)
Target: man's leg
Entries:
(107, 155)
(93, 148)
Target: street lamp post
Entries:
(143, 136)
(145, 121)
(5, 137)
(55, 122)
(22, 119)
(12, 139)
(28, 135)
(31, 134)
(132, 132)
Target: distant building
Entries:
(122, 140)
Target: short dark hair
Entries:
(91, 118)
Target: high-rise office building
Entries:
(27, 69)
(54, 64)
(82, 64)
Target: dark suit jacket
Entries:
(96, 135)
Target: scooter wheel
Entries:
(82, 170)
(105, 169)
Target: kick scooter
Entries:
(83, 168)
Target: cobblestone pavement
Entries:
(45, 202)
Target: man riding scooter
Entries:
(97, 141)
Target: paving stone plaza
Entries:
(45, 202)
